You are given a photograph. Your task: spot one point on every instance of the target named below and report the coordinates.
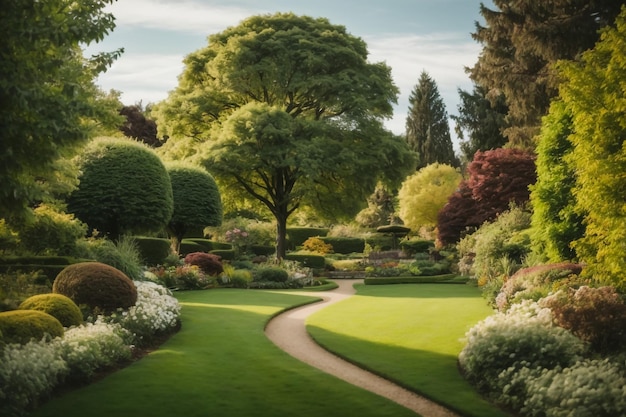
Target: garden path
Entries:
(288, 332)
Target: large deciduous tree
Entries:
(496, 179)
(521, 41)
(47, 93)
(124, 188)
(427, 128)
(288, 111)
(424, 194)
(480, 122)
(594, 94)
(197, 201)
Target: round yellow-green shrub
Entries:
(20, 326)
(96, 285)
(57, 305)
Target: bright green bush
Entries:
(96, 285)
(51, 231)
(153, 250)
(21, 326)
(57, 305)
(380, 241)
(317, 245)
(345, 245)
(272, 274)
(124, 188)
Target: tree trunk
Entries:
(281, 235)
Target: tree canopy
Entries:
(124, 188)
(47, 94)
(287, 110)
(427, 129)
(197, 201)
(593, 93)
(521, 41)
(424, 194)
(496, 179)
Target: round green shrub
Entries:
(96, 285)
(272, 274)
(20, 326)
(124, 188)
(57, 305)
(297, 235)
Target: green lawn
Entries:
(221, 364)
(411, 334)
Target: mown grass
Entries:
(411, 334)
(221, 364)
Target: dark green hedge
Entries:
(380, 242)
(226, 254)
(308, 260)
(416, 246)
(437, 279)
(262, 250)
(188, 246)
(153, 250)
(296, 236)
(345, 245)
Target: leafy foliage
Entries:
(317, 245)
(289, 114)
(496, 179)
(424, 194)
(48, 99)
(138, 127)
(479, 123)
(21, 326)
(521, 41)
(197, 201)
(57, 305)
(208, 263)
(593, 92)
(556, 223)
(124, 188)
(427, 129)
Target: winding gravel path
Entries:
(288, 332)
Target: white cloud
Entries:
(184, 16)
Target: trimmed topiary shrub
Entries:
(416, 246)
(272, 274)
(262, 250)
(188, 246)
(96, 285)
(20, 326)
(153, 250)
(57, 305)
(208, 263)
(226, 254)
(345, 245)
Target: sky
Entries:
(411, 36)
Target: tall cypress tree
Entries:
(427, 129)
(521, 40)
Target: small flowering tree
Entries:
(238, 238)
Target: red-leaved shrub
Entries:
(596, 315)
(208, 263)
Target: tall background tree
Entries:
(594, 95)
(479, 123)
(521, 42)
(427, 128)
(287, 111)
(47, 91)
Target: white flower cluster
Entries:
(520, 359)
(156, 310)
(93, 346)
(29, 372)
